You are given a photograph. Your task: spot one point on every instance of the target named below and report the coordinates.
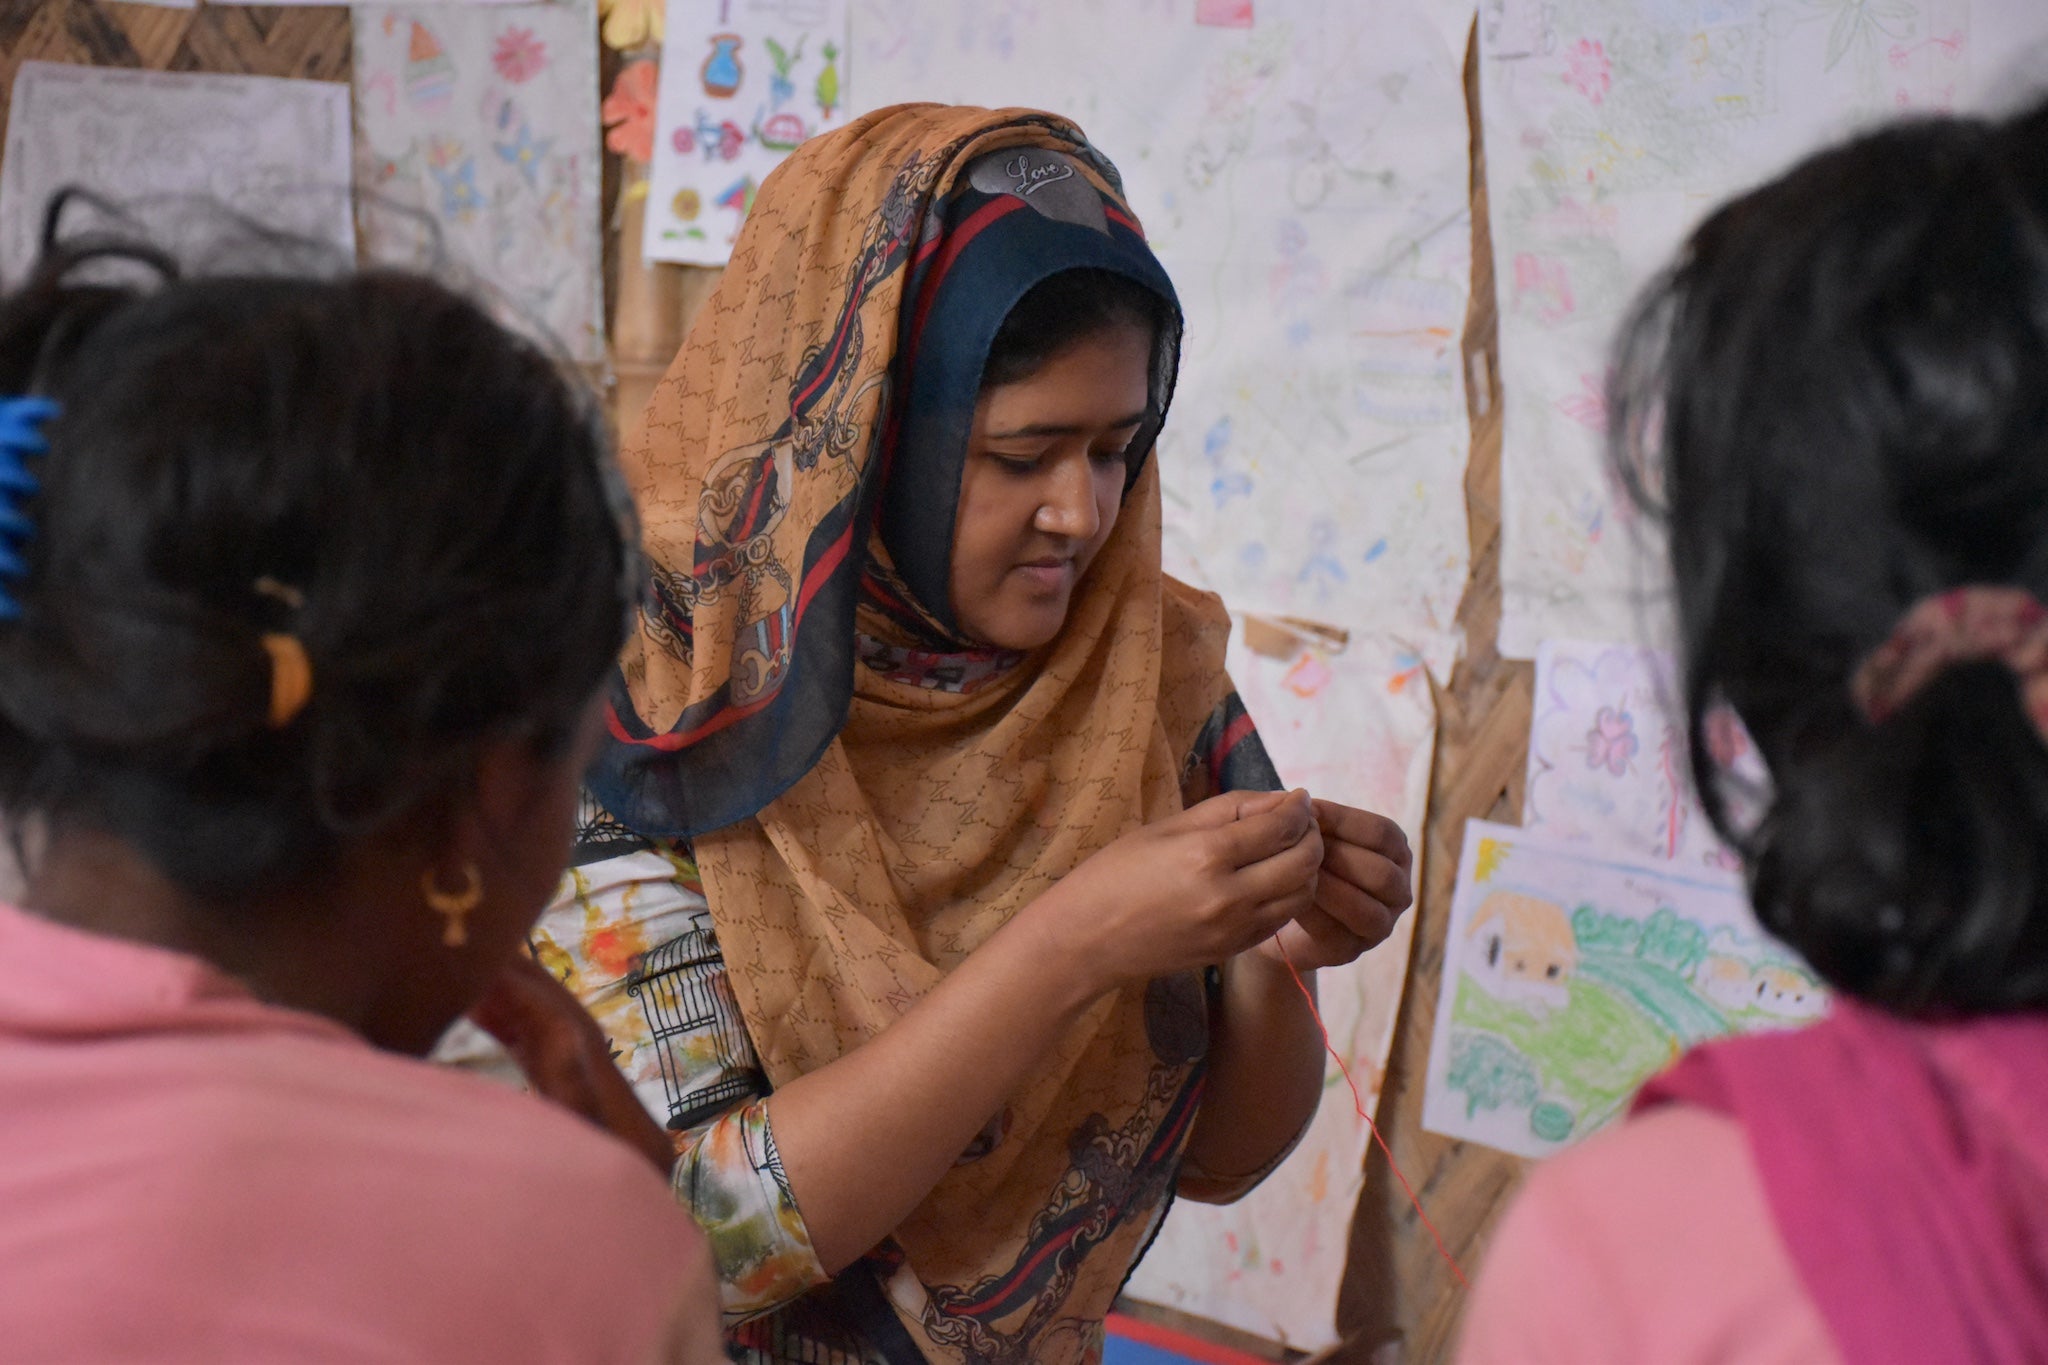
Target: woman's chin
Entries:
(1020, 626)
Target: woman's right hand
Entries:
(1189, 891)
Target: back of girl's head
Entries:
(1839, 397)
(365, 462)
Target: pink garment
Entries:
(188, 1175)
(1650, 1244)
(1866, 1190)
(1906, 1166)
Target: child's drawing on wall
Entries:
(1521, 951)
(1571, 977)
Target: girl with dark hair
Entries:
(933, 886)
(1838, 400)
(307, 589)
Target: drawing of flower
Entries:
(525, 152)
(1587, 407)
(519, 56)
(1612, 742)
(628, 112)
(1308, 676)
(629, 23)
(1587, 69)
(1864, 23)
(1544, 283)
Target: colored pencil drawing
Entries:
(171, 145)
(1608, 761)
(477, 152)
(1612, 127)
(1571, 977)
(1302, 177)
(752, 79)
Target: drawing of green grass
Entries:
(1590, 1055)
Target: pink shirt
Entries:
(1650, 1244)
(188, 1174)
(1870, 1188)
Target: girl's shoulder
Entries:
(1651, 1241)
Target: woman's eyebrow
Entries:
(1059, 429)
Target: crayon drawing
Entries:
(1571, 977)
(1611, 128)
(477, 157)
(165, 144)
(1359, 727)
(743, 82)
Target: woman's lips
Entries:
(1049, 574)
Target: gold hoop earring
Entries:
(454, 907)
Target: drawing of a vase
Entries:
(721, 71)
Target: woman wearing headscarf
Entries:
(933, 889)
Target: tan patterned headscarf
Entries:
(871, 798)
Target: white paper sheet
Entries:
(477, 157)
(1607, 758)
(1358, 727)
(165, 143)
(1302, 171)
(742, 83)
(1612, 127)
(1572, 975)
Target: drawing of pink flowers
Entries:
(1587, 69)
(1611, 743)
(1543, 282)
(1587, 407)
(519, 56)
(628, 112)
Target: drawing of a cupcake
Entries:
(429, 75)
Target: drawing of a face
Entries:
(1726, 981)
(1778, 991)
(1786, 994)
(1522, 951)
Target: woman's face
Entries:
(1042, 485)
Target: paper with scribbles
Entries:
(169, 146)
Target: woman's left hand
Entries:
(1365, 883)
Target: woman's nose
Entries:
(1068, 508)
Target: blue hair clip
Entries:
(21, 435)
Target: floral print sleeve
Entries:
(631, 934)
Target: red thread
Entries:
(1358, 1101)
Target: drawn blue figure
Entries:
(1228, 484)
(459, 195)
(1217, 438)
(1379, 547)
(1322, 565)
(1224, 484)
(721, 72)
(781, 89)
(525, 152)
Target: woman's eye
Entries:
(1016, 464)
(1121, 456)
